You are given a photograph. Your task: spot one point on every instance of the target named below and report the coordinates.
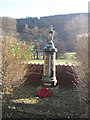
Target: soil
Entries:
(24, 103)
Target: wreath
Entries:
(44, 92)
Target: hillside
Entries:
(66, 27)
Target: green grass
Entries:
(70, 55)
(67, 58)
(40, 61)
(65, 61)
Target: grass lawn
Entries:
(67, 58)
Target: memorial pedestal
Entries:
(49, 70)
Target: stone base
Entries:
(49, 82)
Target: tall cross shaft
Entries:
(49, 74)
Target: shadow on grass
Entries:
(24, 103)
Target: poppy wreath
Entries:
(44, 92)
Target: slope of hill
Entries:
(66, 27)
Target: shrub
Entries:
(82, 68)
(13, 54)
(33, 74)
(65, 76)
(33, 78)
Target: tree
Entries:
(29, 29)
(35, 48)
(77, 25)
(9, 27)
(60, 46)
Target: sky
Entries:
(40, 8)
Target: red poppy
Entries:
(43, 92)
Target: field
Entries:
(67, 58)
